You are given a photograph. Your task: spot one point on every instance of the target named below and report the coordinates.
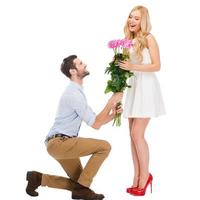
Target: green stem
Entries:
(117, 118)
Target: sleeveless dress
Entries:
(144, 98)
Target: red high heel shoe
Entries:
(142, 191)
(128, 190)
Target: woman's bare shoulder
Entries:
(151, 40)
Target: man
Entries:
(63, 142)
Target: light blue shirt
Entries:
(72, 110)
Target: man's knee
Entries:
(106, 146)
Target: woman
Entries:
(143, 99)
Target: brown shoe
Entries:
(34, 180)
(84, 193)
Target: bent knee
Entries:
(106, 146)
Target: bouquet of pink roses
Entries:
(118, 82)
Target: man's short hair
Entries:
(67, 64)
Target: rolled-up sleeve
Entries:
(79, 104)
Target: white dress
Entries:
(144, 98)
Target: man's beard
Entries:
(84, 74)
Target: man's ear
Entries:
(72, 71)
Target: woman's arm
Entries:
(155, 58)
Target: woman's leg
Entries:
(134, 157)
(141, 146)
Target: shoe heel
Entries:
(151, 186)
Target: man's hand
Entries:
(119, 109)
(116, 110)
(115, 98)
(105, 116)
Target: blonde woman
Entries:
(144, 98)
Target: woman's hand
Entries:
(125, 65)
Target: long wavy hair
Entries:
(140, 39)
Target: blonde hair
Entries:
(145, 29)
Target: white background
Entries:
(34, 38)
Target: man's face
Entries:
(81, 68)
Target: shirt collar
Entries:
(76, 85)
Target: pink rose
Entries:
(125, 43)
(114, 44)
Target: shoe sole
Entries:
(78, 198)
(74, 198)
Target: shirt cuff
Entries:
(91, 120)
